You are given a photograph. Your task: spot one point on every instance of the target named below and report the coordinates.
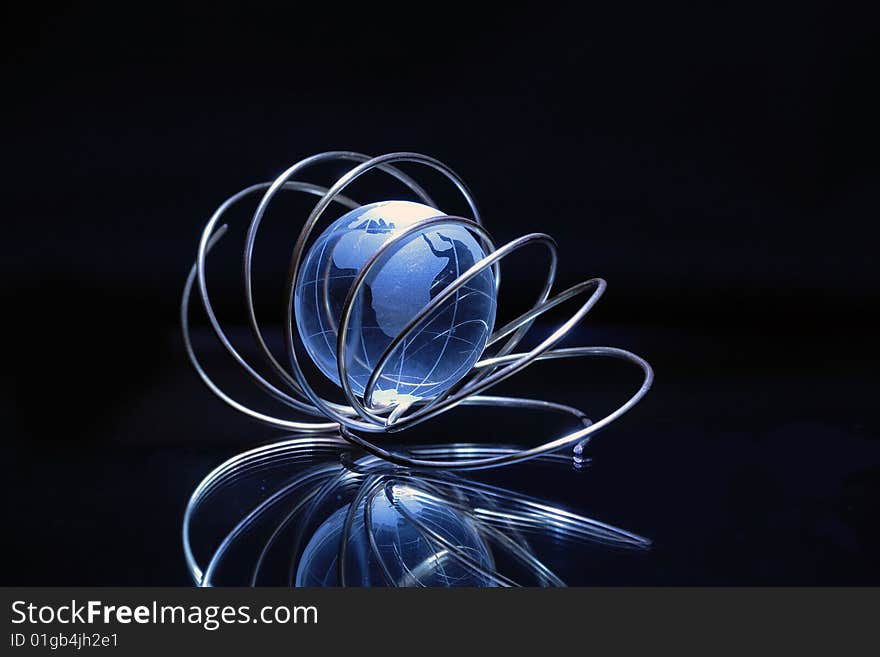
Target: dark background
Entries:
(716, 163)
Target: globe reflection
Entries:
(442, 348)
(434, 548)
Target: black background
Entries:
(716, 163)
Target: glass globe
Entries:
(442, 348)
(411, 557)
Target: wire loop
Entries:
(358, 415)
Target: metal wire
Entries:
(358, 416)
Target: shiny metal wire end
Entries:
(356, 416)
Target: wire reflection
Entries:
(313, 511)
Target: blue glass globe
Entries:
(410, 555)
(442, 348)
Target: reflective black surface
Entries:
(738, 475)
(715, 164)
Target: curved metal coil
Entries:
(357, 416)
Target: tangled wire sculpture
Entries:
(313, 511)
(360, 415)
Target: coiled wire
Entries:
(357, 417)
